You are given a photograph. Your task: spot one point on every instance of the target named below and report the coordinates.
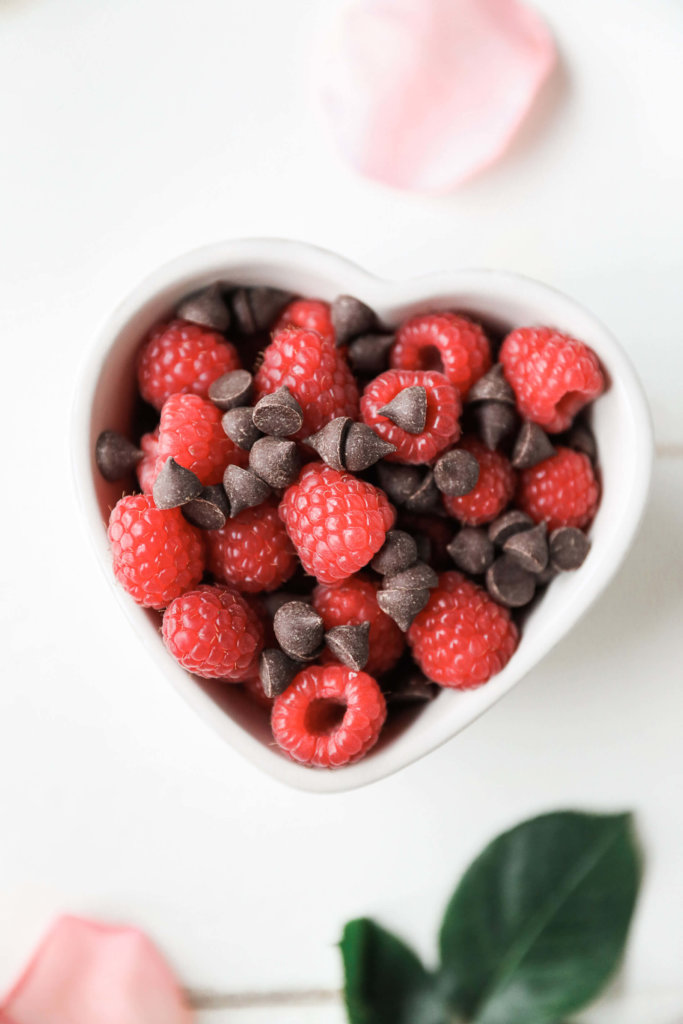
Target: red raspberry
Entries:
(329, 716)
(494, 489)
(562, 490)
(311, 314)
(190, 430)
(252, 551)
(462, 637)
(212, 632)
(256, 693)
(146, 467)
(553, 375)
(351, 602)
(452, 344)
(336, 521)
(315, 372)
(443, 411)
(157, 554)
(182, 357)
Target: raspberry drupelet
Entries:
(252, 551)
(311, 314)
(182, 357)
(452, 344)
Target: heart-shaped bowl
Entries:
(620, 419)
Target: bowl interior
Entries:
(620, 419)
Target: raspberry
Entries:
(212, 632)
(494, 489)
(329, 716)
(146, 467)
(157, 555)
(252, 551)
(182, 357)
(553, 375)
(462, 637)
(254, 689)
(311, 314)
(562, 490)
(351, 602)
(315, 372)
(190, 430)
(446, 342)
(443, 410)
(335, 521)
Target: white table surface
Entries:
(134, 130)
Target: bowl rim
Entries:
(214, 261)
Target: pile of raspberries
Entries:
(341, 517)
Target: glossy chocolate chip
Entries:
(276, 461)
(531, 447)
(494, 422)
(351, 318)
(418, 576)
(329, 442)
(402, 605)
(279, 414)
(507, 524)
(529, 548)
(276, 671)
(115, 455)
(350, 645)
(210, 511)
(175, 486)
(369, 354)
(232, 389)
(299, 630)
(238, 424)
(244, 489)
(207, 308)
(492, 387)
(408, 409)
(363, 448)
(257, 308)
(413, 688)
(471, 550)
(456, 473)
(509, 584)
(568, 548)
(398, 552)
(399, 481)
(426, 497)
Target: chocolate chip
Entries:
(456, 473)
(276, 671)
(495, 421)
(175, 486)
(238, 424)
(329, 442)
(363, 448)
(207, 308)
(275, 460)
(509, 584)
(531, 447)
(278, 414)
(350, 318)
(424, 547)
(471, 550)
(568, 548)
(419, 576)
(257, 308)
(350, 645)
(210, 511)
(398, 552)
(412, 689)
(399, 481)
(369, 354)
(115, 455)
(271, 602)
(244, 489)
(231, 390)
(402, 605)
(299, 630)
(529, 548)
(425, 497)
(510, 522)
(408, 409)
(545, 577)
(492, 387)
(581, 439)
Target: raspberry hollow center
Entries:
(430, 358)
(324, 715)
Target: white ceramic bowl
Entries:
(620, 420)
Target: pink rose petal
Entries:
(422, 94)
(87, 973)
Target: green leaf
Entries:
(385, 983)
(539, 921)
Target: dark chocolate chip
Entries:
(175, 486)
(363, 448)
(425, 497)
(509, 584)
(424, 547)
(398, 552)
(231, 390)
(495, 421)
(492, 387)
(568, 548)
(350, 318)
(408, 409)
(531, 447)
(115, 455)
(419, 576)
(299, 630)
(238, 424)
(350, 645)
(529, 548)
(545, 577)
(456, 473)
(210, 511)
(581, 439)
(278, 414)
(471, 550)
(402, 605)
(207, 308)
(510, 522)
(275, 460)
(329, 442)
(399, 481)
(271, 602)
(412, 689)
(257, 308)
(369, 354)
(244, 489)
(276, 671)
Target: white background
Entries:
(134, 130)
